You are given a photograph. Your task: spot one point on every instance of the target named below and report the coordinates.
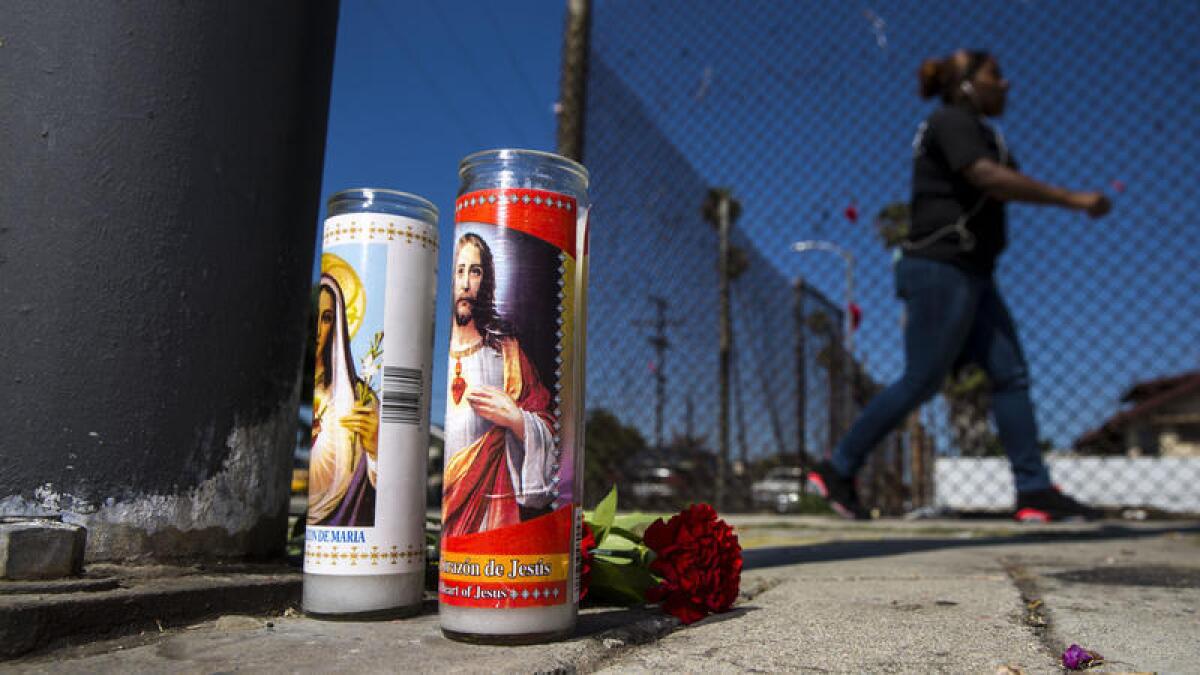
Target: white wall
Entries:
(1170, 484)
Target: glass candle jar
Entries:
(511, 513)
(364, 552)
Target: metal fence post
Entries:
(836, 405)
(801, 376)
(720, 209)
(723, 346)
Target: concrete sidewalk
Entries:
(819, 596)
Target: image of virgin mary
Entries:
(341, 489)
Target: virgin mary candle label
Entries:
(370, 429)
(509, 507)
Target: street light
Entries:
(848, 258)
(848, 334)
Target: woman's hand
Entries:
(498, 408)
(1095, 204)
(363, 420)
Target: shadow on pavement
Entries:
(760, 558)
(594, 622)
(735, 613)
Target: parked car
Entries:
(667, 481)
(780, 490)
(433, 478)
(654, 487)
(301, 450)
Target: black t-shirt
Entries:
(948, 142)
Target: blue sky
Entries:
(419, 85)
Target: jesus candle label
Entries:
(508, 510)
(370, 430)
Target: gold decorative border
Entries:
(353, 554)
(337, 232)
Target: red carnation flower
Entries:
(586, 547)
(855, 316)
(699, 560)
(851, 212)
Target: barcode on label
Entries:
(401, 395)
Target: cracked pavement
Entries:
(888, 596)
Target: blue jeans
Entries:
(953, 317)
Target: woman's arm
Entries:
(1005, 184)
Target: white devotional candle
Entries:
(364, 553)
(514, 406)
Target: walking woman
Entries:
(963, 175)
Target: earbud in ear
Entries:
(967, 88)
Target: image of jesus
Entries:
(502, 459)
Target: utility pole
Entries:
(721, 210)
(573, 86)
(661, 345)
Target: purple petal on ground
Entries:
(1078, 658)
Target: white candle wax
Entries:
(502, 622)
(396, 594)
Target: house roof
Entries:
(1143, 390)
(1150, 396)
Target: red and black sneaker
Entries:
(837, 491)
(1051, 505)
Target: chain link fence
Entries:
(802, 114)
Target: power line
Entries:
(510, 53)
(430, 81)
(499, 98)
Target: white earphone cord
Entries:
(966, 239)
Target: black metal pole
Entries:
(161, 177)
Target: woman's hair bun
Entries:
(932, 76)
